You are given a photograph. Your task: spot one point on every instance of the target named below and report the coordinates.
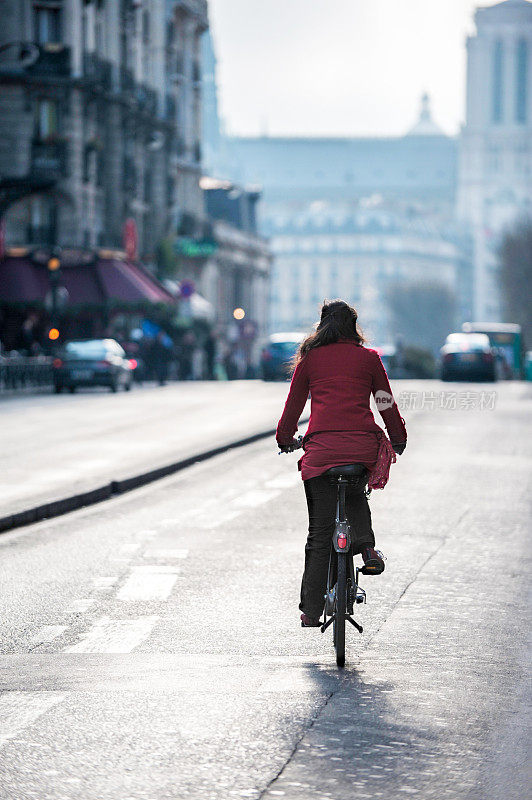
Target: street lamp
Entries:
(54, 271)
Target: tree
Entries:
(422, 312)
(516, 276)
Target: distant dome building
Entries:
(425, 126)
(349, 217)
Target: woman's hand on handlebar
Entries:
(399, 447)
(294, 445)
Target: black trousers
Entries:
(321, 502)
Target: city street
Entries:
(55, 446)
(151, 647)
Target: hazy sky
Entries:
(346, 67)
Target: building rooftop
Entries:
(421, 164)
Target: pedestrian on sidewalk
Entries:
(341, 374)
(160, 356)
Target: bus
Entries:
(506, 339)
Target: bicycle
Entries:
(342, 595)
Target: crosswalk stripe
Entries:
(114, 635)
(148, 583)
(47, 634)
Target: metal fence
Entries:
(21, 373)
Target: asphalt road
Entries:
(56, 446)
(151, 647)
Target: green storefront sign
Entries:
(194, 248)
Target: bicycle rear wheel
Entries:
(341, 596)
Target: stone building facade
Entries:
(495, 157)
(349, 217)
(355, 251)
(237, 274)
(104, 105)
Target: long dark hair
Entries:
(338, 320)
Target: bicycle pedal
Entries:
(371, 570)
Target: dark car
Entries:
(92, 362)
(277, 354)
(467, 357)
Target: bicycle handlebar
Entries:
(293, 447)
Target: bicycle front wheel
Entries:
(341, 596)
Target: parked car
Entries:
(277, 353)
(92, 362)
(467, 357)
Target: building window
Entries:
(47, 24)
(46, 123)
(521, 82)
(497, 81)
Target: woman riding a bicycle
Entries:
(341, 374)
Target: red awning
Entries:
(24, 280)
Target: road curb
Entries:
(57, 508)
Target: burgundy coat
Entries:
(340, 377)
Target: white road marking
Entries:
(156, 569)
(47, 634)
(20, 709)
(166, 554)
(114, 635)
(105, 582)
(148, 583)
(255, 497)
(80, 606)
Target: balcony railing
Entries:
(53, 61)
(97, 70)
(48, 158)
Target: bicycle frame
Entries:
(342, 594)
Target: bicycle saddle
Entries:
(349, 471)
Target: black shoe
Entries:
(373, 561)
(309, 622)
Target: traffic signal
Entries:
(53, 334)
(53, 264)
